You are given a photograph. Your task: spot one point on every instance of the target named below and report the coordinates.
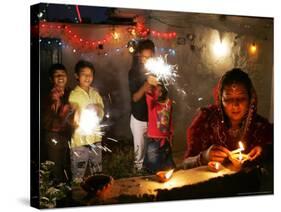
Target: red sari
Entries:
(210, 126)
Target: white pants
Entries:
(138, 129)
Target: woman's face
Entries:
(235, 100)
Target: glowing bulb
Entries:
(134, 32)
(115, 35)
(253, 48)
(40, 15)
(220, 48)
(131, 49)
(74, 50)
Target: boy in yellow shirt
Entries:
(86, 139)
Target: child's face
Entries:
(60, 79)
(85, 77)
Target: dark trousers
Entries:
(58, 151)
(158, 158)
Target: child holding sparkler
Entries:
(56, 123)
(86, 139)
(158, 155)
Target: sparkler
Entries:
(89, 122)
(159, 67)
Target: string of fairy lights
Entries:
(70, 38)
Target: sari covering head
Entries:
(211, 126)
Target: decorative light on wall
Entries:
(220, 48)
(253, 48)
(132, 45)
(131, 49)
(115, 35)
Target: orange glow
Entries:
(164, 176)
(253, 48)
(115, 35)
(169, 174)
(214, 166)
(131, 49)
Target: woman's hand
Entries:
(255, 152)
(218, 153)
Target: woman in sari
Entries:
(216, 130)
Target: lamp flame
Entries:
(241, 146)
(168, 175)
(164, 176)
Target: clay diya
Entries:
(164, 176)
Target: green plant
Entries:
(50, 191)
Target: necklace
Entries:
(235, 133)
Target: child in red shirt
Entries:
(56, 122)
(158, 154)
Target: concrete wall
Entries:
(199, 67)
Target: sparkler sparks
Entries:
(89, 122)
(159, 67)
(93, 146)
(65, 173)
(112, 139)
(54, 141)
(107, 149)
(75, 153)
